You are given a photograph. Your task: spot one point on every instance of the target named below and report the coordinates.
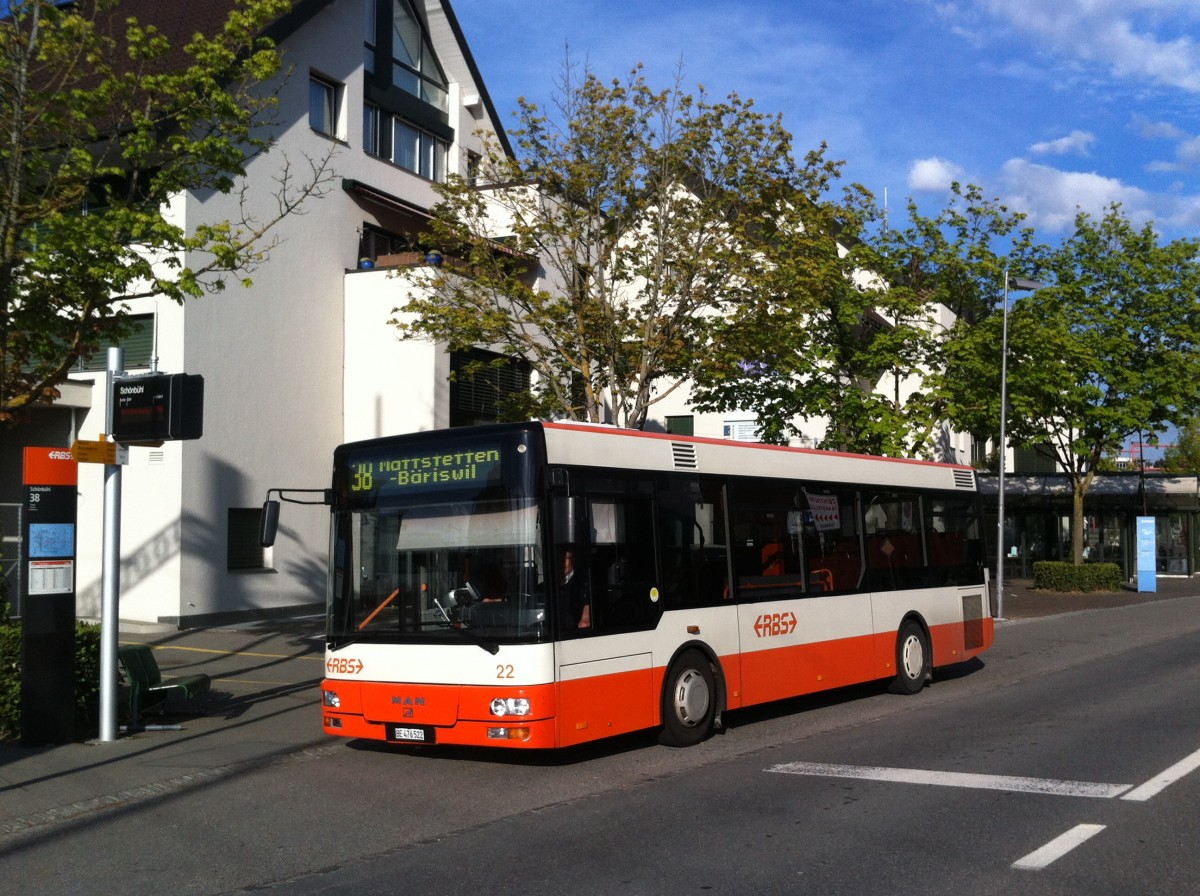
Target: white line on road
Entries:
(953, 779)
(1058, 847)
(1160, 782)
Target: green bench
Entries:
(147, 688)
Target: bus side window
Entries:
(694, 538)
(895, 552)
(612, 558)
(766, 541)
(621, 566)
(832, 549)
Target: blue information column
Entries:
(48, 601)
(1147, 554)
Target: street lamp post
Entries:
(1016, 283)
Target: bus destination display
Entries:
(430, 470)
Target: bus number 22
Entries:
(505, 671)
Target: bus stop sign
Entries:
(158, 407)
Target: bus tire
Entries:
(689, 700)
(914, 664)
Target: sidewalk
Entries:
(1021, 601)
(263, 706)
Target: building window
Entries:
(482, 382)
(138, 344)
(1034, 459)
(375, 241)
(405, 91)
(369, 38)
(324, 105)
(390, 137)
(396, 47)
(371, 116)
(242, 550)
(683, 425)
(418, 151)
(415, 69)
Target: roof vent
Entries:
(964, 479)
(684, 454)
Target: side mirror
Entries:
(268, 525)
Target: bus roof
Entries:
(609, 446)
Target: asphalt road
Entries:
(1060, 763)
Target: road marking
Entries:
(1058, 847)
(1039, 858)
(1162, 781)
(954, 779)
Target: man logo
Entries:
(401, 700)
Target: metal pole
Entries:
(110, 571)
(1003, 451)
(1017, 283)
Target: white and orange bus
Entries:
(544, 584)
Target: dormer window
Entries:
(406, 95)
(414, 67)
(397, 49)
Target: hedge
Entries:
(1053, 575)
(87, 680)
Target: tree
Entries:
(1104, 351)
(850, 315)
(818, 327)
(105, 122)
(1184, 455)
(951, 261)
(634, 202)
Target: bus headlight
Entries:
(511, 706)
(331, 699)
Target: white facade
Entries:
(299, 362)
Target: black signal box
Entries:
(158, 407)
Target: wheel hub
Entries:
(691, 698)
(914, 657)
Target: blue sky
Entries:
(1051, 105)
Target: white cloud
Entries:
(933, 175)
(1116, 33)
(1187, 158)
(1181, 213)
(1156, 130)
(1189, 152)
(1052, 198)
(1075, 143)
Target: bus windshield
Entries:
(436, 542)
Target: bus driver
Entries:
(575, 601)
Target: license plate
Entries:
(410, 735)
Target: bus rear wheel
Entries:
(914, 665)
(689, 700)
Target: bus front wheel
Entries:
(914, 665)
(689, 700)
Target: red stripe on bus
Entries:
(586, 709)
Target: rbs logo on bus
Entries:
(771, 624)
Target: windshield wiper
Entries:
(462, 629)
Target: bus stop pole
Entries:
(110, 572)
